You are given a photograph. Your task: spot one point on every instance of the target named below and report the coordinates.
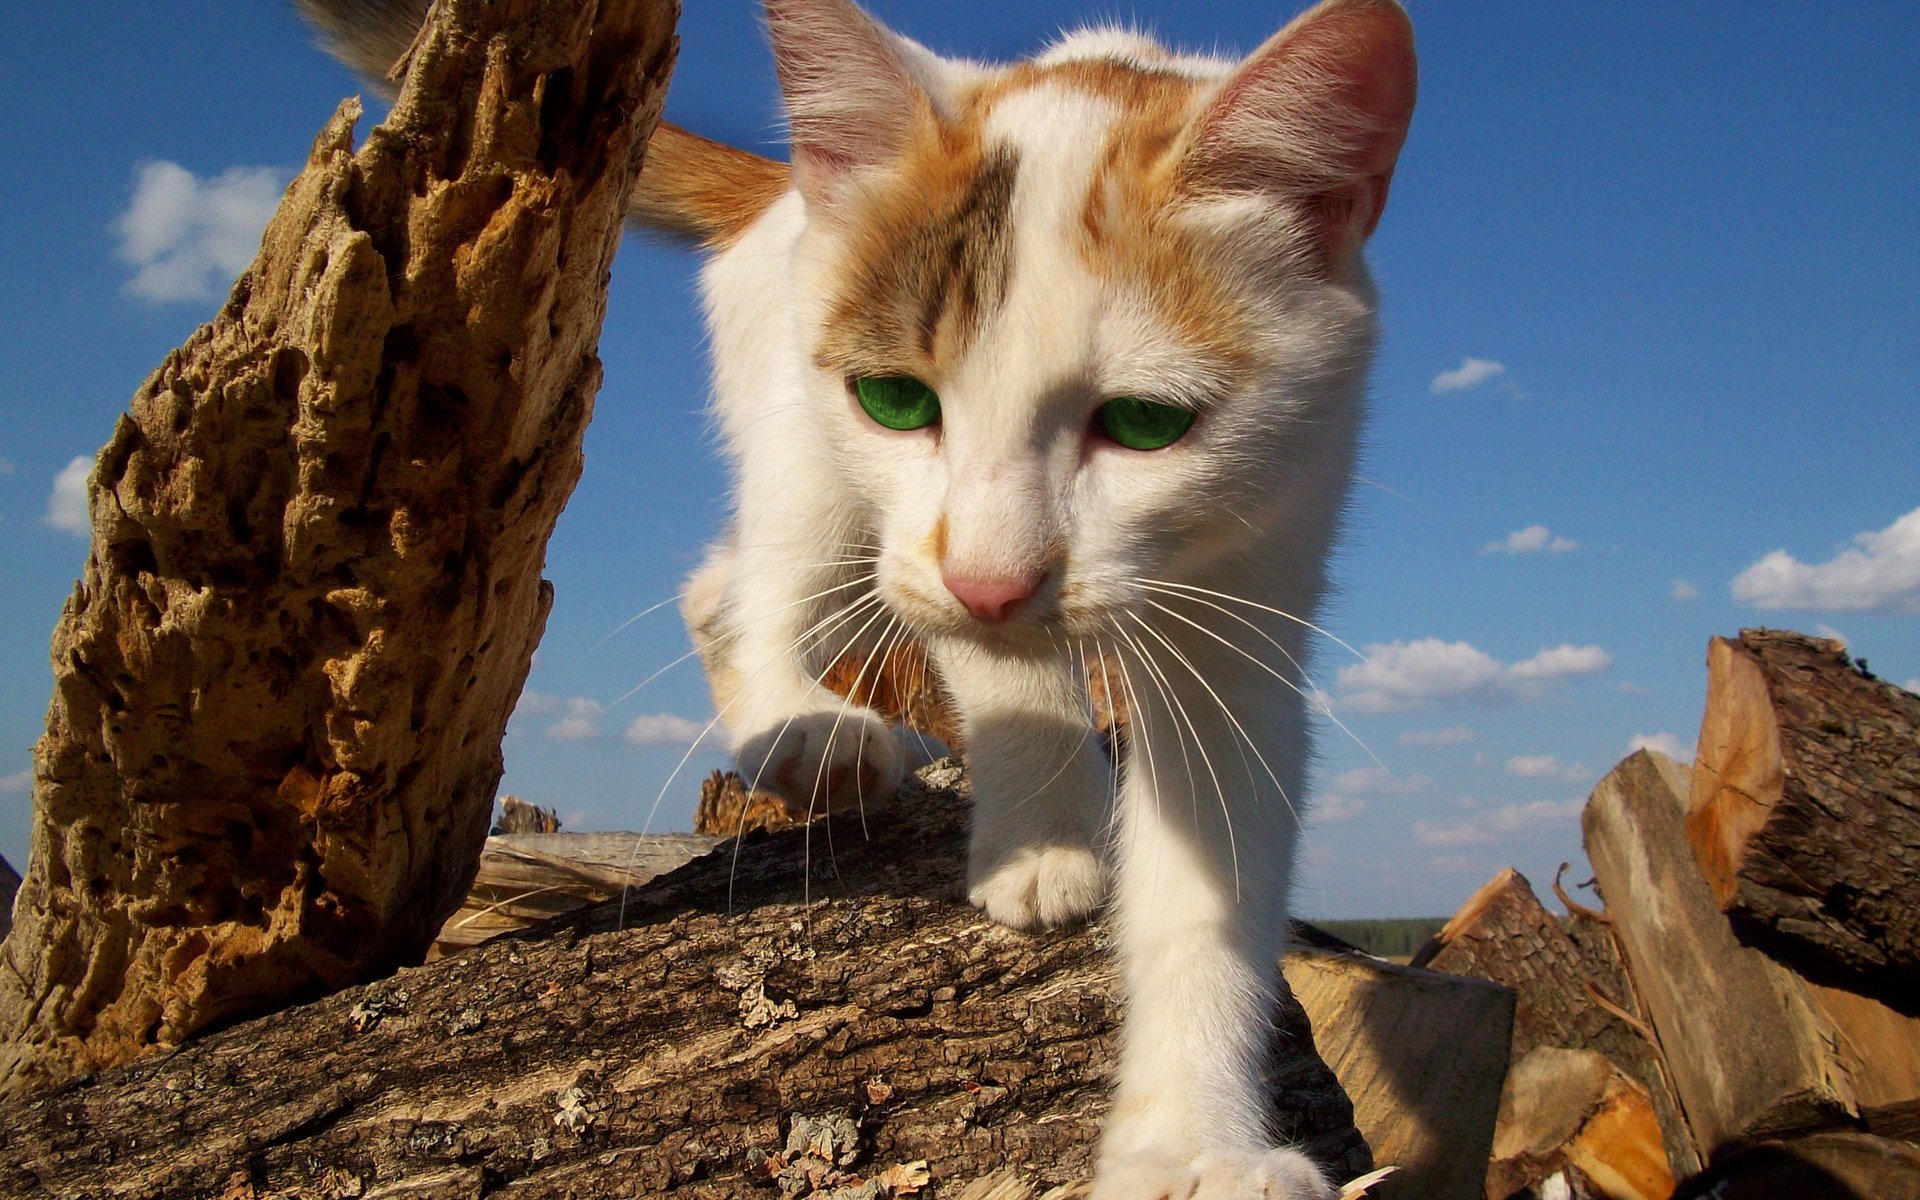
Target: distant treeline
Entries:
(1390, 937)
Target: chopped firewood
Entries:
(1571, 986)
(527, 878)
(518, 816)
(1805, 810)
(729, 808)
(1823, 1166)
(1574, 1108)
(1754, 1049)
(1422, 1055)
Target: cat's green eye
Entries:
(1144, 424)
(897, 401)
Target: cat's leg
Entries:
(1204, 846)
(767, 617)
(1041, 786)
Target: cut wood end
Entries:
(1463, 920)
(1740, 772)
(1363, 1185)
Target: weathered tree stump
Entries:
(661, 1047)
(1805, 811)
(314, 587)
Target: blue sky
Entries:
(1651, 373)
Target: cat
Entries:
(1054, 369)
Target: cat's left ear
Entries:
(1316, 116)
(850, 89)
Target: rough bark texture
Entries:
(815, 974)
(1754, 1049)
(1505, 934)
(314, 586)
(1805, 811)
(1422, 1054)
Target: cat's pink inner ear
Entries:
(851, 102)
(1317, 114)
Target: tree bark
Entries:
(314, 585)
(1505, 934)
(1805, 811)
(1755, 1050)
(662, 1047)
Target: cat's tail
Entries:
(689, 186)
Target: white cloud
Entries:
(1913, 685)
(1399, 676)
(67, 504)
(1533, 766)
(1563, 661)
(581, 722)
(1879, 573)
(664, 729)
(1471, 373)
(1665, 743)
(1534, 539)
(1546, 766)
(1682, 591)
(539, 704)
(20, 781)
(1502, 822)
(186, 237)
(1345, 796)
(1453, 735)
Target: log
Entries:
(1755, 1050)
(667, 1057)
(314, 585)
(1423, 1056)
(1822, 1166)
(1805, 811)
(1571, 989)
(1575, 1108)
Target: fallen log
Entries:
(1571, 987)
(314, 587)
(667, 1046)
(1805, 811)
(1755, 1050)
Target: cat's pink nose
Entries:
(992, 600)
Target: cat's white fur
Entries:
(1206, 815)
(1182, 577)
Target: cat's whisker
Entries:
(1281, 613)
(1227, 712)
(1311, 697)
(825, 626)
(818, 794)
(1179, 707)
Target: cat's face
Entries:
(1066, 349)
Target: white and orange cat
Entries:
(1053, 367)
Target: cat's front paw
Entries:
(1039, 887)
(1254, 1173)
(825, 761)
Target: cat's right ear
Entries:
(1315, 117)
(852, 101)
